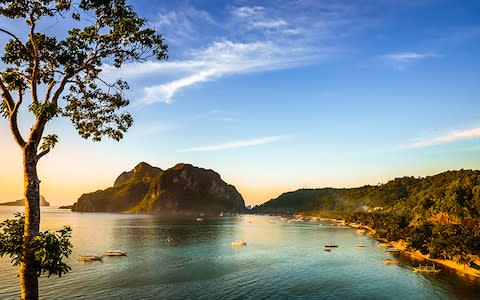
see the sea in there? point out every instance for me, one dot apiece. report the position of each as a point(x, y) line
point(195, 259)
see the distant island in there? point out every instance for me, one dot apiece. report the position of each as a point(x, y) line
point(181, 190)
point(435, 217)
point(21, 202)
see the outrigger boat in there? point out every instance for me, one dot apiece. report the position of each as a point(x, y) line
point(90, 257)
point(114, 253)
point(426, 269)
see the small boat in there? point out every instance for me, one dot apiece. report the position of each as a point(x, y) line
point(393, 250)
point(390, 262)
point(271, 221)
point(361, 231)
point(239, 243)
point(199, 219)
point(327, 249)
point(359, 246)
point(331, 246)
point(426, 269)
point(114, 253)
point(90, 257)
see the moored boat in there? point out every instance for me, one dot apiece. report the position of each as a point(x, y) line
point(331, 246)
point(426, 269)
point(90, 257)
point(239, 243)
point(393, 250)
point(390, 262)
point(114, 253)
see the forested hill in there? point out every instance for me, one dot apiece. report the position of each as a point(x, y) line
point(454, 192)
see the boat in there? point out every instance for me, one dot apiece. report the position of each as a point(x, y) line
point(393, 250)
point(114, 253)
point(390, 262)
point(361, 231)
point(426, 269)
point(239, 243)
point(330, 245)
point(199, 219)
point(90, 257)
point(359, 245)
point(271, 221)
point(327, 249)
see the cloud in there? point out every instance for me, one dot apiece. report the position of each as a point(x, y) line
point(165, 92)
point(206, 47)
point(401, 60)
point(236, 144)
point(218, 60)
point(449, 138)
point(248, 11)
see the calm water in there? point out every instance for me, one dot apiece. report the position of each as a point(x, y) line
point(281, 261)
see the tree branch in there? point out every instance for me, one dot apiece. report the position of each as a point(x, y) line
point(13, 120)
point(59, 90)
point(49, 89)
point(7, 97)
point(11, 34)
point(35, 59)
point(43, 153)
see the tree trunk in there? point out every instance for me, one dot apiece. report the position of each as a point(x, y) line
point(27, 269)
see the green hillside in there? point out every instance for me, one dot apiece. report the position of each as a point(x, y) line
point(437, 215)
point(454, 192)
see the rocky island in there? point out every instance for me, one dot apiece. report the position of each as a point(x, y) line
point(21, 202)
point(181, 190)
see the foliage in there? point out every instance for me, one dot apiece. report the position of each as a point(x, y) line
point(437, 215)
point(70, 68)
point(48, 248)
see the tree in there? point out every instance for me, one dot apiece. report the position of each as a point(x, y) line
point(62, 77)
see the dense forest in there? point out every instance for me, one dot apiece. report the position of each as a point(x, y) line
point(437, 215)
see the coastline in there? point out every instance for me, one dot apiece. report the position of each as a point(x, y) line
point(402, 246)
point(461, 268)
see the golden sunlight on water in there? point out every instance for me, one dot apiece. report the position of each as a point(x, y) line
point(179, 259)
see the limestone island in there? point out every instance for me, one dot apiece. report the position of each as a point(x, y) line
point(181, 190)
point(21, 202)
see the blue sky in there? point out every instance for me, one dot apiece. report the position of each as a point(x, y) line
point(281, 95)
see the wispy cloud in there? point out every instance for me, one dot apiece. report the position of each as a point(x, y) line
point(207, 47)
point(448, 138)
point(401, 60)
point(219, 59)
point(236, 144)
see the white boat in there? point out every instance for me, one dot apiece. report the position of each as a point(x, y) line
point(239, 243)
point(114, 253)
point(90, 257)
point(199, 219)
point(393, 250)
point(426, 269)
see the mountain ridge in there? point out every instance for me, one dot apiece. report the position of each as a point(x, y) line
point(182, 189)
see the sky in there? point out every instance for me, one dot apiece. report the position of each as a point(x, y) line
point(281, 95)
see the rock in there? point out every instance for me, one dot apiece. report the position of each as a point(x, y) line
point(21, 202)
point(181, 190)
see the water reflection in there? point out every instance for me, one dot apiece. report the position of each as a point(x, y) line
point(281, 260)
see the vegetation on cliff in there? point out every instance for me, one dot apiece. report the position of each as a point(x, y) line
point(437, 215)
point(182, 189)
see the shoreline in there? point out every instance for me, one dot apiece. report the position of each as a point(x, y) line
point(460, 268)
point(402, 245)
